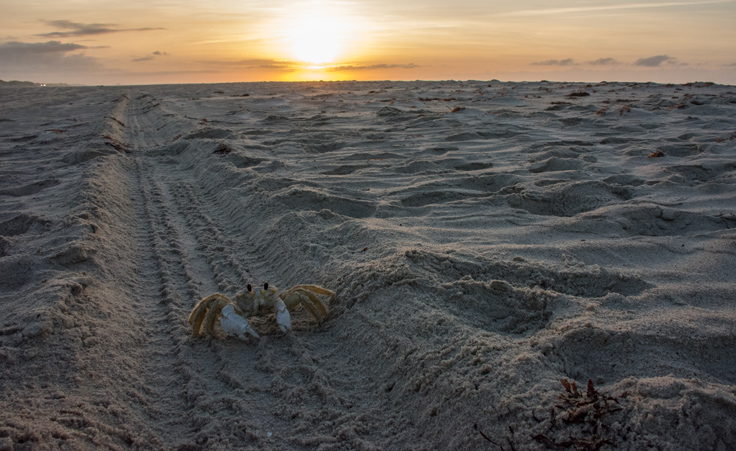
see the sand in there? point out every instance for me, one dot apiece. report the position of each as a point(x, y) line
point(486, 241)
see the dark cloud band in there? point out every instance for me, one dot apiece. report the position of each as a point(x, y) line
point(13, 48)
point(86, 29)
point(654, 61)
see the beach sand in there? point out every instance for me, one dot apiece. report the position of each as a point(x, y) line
point(490, 244)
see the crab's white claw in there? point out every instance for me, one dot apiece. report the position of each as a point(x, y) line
point(283, 318)
point(235, 325)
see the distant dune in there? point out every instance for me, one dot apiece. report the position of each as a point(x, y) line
point(15, 83)
point(517, 265)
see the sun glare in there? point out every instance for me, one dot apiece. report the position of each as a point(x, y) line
point(316, 40)
point(319, 33)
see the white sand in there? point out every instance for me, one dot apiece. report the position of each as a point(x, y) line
point(486, 240)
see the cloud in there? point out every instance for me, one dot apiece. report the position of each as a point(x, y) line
point(603, 62)
point(169, 72)
point(85, 29)
point(652, 61)
point(149, 57)
point(655, 61)
point(290, 66)
point(15, 49)
point(279, 65)
point(44, 61)
point(257, 63)
point(583, 9)
point(564, 62)
point(350, 67)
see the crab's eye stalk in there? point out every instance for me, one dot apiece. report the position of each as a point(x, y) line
point(250, 288)
point(265, 286)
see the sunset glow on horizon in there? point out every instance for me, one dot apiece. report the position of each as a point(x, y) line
point(106, 42)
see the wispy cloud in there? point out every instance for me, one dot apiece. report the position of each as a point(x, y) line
point(563, 62)
point(278, 65)
point(150, 56)
point(603, 62)
point(651, 61)
point(655, 61)
point(85, 29)
point(582, 9)
point(15, 48)
point(256, 63)
point(228, 41)
point(171, 72)
point(291, 66)
point(351, 67)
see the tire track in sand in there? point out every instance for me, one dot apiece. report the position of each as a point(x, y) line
point(288, 376)
point(163, 280)
point(157, 306)
point(229, 273)
point(283, 392)
point(180, 377)
point(204, 393)
point(284, 373)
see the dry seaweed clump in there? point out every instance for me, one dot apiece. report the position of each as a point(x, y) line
point(577, 421)
point(579, 418)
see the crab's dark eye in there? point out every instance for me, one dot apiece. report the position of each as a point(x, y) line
point(265, 286)
point(250, 288)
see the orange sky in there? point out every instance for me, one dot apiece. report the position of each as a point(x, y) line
point(165, 41)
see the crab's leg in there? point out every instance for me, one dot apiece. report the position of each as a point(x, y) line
point(213, 313)
point(198, 307)
point(200, 311)
point(314, 304)
point(294, 298)
point(197, 316)
point(317, 289)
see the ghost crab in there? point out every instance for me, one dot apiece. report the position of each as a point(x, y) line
point(233, 313)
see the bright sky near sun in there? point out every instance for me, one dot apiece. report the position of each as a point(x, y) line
point(177, 41)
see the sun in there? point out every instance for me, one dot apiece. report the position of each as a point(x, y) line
point(316, 39)
point(313, 37)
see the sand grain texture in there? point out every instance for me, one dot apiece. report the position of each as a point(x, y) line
point(486, 241)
